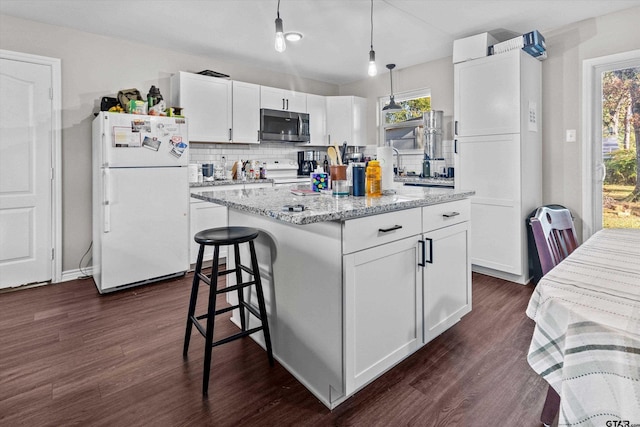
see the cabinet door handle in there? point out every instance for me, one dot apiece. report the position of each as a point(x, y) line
point(287, 104)
point(386, 230)
point(424, 253)
point(455, 128)
point(258, 139)
point(230, 134)
point(430, 260)
point(455, 146)
point(450, 214)
point(283, 104)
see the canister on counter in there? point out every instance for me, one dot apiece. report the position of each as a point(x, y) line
point(358, 179)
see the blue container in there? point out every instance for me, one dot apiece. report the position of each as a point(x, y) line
point(207, 170)
point(358, 174)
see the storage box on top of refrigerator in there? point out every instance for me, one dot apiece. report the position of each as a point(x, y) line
point(140, 199)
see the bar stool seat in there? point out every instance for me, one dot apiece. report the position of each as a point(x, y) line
point(216, 237)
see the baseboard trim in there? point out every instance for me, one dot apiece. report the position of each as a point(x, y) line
point(521, 280)
point(69, 275)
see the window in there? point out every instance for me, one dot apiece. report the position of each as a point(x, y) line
point(413, 103)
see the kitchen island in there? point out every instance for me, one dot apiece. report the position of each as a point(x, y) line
point(354, 285)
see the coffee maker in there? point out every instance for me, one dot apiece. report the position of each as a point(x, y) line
point(306, 162)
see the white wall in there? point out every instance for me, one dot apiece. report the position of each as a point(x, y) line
point(562, 98)
point(436, 75)
point(94, 66)
point(561, 93)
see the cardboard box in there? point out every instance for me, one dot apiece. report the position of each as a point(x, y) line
point(472, 47)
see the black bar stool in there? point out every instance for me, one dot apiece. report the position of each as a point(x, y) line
point(226, 236)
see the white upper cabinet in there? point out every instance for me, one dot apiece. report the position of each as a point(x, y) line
point(346, 120)
point(487, 95)
point(246, 113)
point(282, 99)
point(498, 153)
point(222, 111)
point(317, 109)
point(206, 102)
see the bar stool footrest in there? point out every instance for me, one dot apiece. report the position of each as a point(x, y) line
point(236, 336)
point(235, 287)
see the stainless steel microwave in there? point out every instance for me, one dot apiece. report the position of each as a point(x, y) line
point(283, 126)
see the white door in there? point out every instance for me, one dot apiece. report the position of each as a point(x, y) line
point(382, 309)
point(26, 132)
point(487, 95)
point(145, 228)
point(447, 279)
point(272, 98)
point(207, 103)
point(339, 114)
point(491, 166)
point(317, 108)
point(246, 113)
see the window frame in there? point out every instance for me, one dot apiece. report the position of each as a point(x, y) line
point(399, 97)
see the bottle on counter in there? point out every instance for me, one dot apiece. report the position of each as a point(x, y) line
point(263, 170)
point(426, 167)
point(200, 174)
point(373, 179)
point(326, 165)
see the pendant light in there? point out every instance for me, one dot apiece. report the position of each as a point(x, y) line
point(372, 54)
point(280, 44)
point(392, 107)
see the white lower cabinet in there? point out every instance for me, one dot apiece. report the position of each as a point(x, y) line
point(400, 294)
point(204, 215)
point(349, 300)
point(446, 266)
point(382, 309)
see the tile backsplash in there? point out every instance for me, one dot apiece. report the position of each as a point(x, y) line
point(213, 153)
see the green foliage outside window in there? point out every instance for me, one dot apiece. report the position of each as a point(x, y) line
point(621, 168)
point(411, 109)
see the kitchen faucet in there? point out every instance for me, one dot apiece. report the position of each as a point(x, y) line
point(397, 153)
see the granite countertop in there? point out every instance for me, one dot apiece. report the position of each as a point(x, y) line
point(445, 182)
point(219, 182)
point(324, 207)
point(415, 179)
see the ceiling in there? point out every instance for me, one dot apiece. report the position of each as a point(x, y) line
point(336, 33)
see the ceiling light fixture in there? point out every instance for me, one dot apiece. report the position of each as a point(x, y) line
point(280, 45)
point(293, 36)
point(392, 107)
point(372, 54)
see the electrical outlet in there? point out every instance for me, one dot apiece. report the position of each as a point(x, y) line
point(571, 135)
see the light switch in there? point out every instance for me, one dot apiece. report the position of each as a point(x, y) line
point(571, 135)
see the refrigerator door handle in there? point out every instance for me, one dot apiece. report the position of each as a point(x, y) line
point(103, 144)
point(106, 207)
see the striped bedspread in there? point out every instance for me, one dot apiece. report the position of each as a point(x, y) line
point(586, 342)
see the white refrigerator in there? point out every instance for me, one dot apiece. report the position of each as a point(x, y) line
point(140, 199)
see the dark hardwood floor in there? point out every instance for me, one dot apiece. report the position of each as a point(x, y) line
point(69, 356)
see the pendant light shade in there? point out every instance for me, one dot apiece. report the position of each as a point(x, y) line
point(280, 44)
point(373, 70)
point(392, 107)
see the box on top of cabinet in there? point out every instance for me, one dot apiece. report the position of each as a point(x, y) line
point(472, 47)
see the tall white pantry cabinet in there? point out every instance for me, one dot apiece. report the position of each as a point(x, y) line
point(498, 153)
